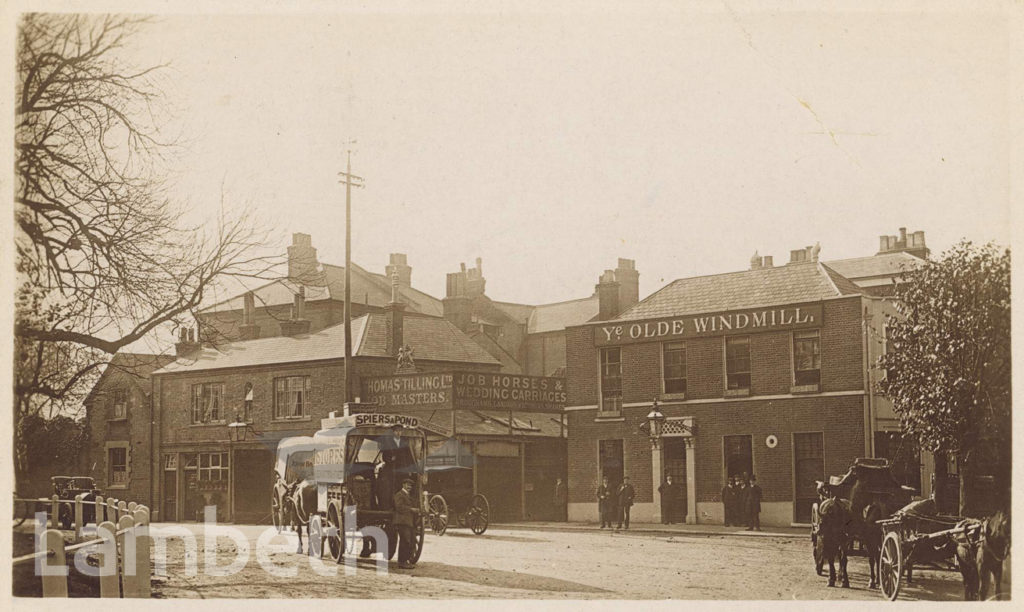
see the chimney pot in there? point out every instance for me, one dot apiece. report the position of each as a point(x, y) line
point(903, 235)
point(755, 261)
point(767, 261)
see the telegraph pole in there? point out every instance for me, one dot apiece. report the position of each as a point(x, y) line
point(350, 180)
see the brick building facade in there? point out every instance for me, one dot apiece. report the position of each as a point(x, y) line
point(763, 371)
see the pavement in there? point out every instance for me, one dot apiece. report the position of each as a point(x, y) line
point(662, 529)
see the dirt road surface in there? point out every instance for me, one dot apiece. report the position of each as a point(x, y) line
point(520, 563)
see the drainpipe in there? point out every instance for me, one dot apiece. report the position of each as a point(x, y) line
point(869, 413)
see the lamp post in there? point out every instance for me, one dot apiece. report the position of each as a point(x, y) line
point(656, 421)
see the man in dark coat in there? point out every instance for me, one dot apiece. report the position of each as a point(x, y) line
point(605, 502)
point(626, 493)
point(742, 497)
point(669, 493)
point(404, 515)
point(729, 495)
point(561, 499)
point(754, 505)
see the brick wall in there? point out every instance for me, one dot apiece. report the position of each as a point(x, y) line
point(580, 366)
point(842, 346)
point(103, 428)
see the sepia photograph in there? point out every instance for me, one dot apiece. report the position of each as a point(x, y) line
point(530, 302)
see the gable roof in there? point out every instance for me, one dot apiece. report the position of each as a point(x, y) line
point(884, 264)
point(136, 366)
point(367, 288)
point(554, 317)
point(788, 284)
point(431, 338)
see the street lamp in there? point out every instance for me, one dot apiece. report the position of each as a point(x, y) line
point(656, 421)
point(238, 430)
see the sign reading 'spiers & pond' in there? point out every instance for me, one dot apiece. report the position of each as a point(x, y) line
point(691, 326)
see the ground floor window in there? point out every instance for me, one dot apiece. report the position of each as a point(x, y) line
point(809, 467)
point(610, 461)
point(739, 458)
point(117, 462)
point(213, 466)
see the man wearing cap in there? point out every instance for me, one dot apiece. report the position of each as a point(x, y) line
point(404, 515)
point(626, 493)
point(753, 505)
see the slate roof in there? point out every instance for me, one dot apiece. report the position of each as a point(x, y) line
point(555, 317)
point(789, 284)
point(367, 288)
point(885, 264)
point(431, 339)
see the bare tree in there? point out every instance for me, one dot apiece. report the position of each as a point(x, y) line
point(104, 257)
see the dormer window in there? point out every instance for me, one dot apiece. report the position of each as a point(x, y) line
point(119, 404)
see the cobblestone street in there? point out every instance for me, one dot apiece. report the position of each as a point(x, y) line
point(540, 563)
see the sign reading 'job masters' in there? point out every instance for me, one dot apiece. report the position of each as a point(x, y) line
point(737, 322)
point(466, 391)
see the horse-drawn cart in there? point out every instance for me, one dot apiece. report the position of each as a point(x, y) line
point(451, 495)
point(918, 533)
point(358, 463)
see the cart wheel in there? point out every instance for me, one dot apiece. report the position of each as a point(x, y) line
point(336, 523)
point(275, 510)
point(438, 509)
point(478, 513)
point(417, 543)
point(890, 566)
point(316, 536)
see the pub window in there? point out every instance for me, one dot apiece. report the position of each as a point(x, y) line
point(674, 367)
point(208, 403)
point(611, 379)
point(213, 466)
point(737, 362)
point(807, 357)
point(119, 403)
point(291, 397)
point(117, 462)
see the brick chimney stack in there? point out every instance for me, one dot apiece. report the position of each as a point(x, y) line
point(607, 296)
point(302, 262)
point(298, 324)
point(475, 281)
point(397, 262)
point(458, 307)
point(394, 314)
point(755, 261)
point(248, 330)
point(187, 346)
point(629, 283)
point(912, 243)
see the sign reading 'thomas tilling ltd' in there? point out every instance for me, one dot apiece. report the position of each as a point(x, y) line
point(466, 391)
point(737, 322)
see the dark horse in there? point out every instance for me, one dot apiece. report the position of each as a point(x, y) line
point(834, 537)
point(298, 507)
point(981, 553)
point(874, 495)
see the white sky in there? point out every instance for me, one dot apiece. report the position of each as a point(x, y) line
point(550, 143)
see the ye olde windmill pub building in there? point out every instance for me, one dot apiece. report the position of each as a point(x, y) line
point(765, 371)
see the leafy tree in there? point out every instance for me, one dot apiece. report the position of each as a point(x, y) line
point(104, 257)
point(948, 360)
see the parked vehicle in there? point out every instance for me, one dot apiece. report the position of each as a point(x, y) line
point(66, 488)
point(450, 495)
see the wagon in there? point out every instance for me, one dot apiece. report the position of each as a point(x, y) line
point(355, 464)
point(66, 488)
point(918, 533)
point(451, 495)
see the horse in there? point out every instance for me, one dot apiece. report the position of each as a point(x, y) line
point(834, 535)
point(299, 505)
point(870, 534)
point(980, 555)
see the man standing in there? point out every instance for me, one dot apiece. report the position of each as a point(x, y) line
point(626, 494)
point(404, 509)
point(729, 501)
point(754, 505)
point(668, 500)
point(561, 500)
point(604, 502)
point(742, 499)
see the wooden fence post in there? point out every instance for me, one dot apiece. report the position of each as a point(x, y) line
point(54, 572)
point(125, 540)
point(122, 509)
point(112, 510)
point(132, 506)
point(141, 516)
point(79, 523)
point(109, 581)
point(137, 568)
point(98, 514)
point(54, 511)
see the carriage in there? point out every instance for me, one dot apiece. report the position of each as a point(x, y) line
point(451, 495)
point(917, 532)
point(874, 483)
point(354, 463)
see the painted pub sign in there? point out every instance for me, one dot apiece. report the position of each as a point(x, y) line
point(466, 391)
point(713, 324)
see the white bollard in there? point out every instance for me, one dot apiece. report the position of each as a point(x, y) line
point(55, 574)
point(79, 523)
point(132, 506)
point(112, 510)
point(109, 580)
point(54, 510)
